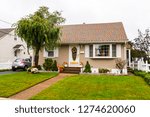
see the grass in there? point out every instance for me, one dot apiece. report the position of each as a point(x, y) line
point(96, 87)
point(13, 83)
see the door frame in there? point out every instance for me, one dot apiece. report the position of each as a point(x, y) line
point(73, 63)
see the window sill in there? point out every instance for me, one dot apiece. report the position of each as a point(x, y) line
point(50, 57)
point(103, 57)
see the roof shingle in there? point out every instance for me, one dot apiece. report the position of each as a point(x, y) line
point(93, 33)
point(6, 31)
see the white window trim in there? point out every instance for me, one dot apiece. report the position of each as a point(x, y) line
point(110, 56)
point(87, 49)
point(55, 53)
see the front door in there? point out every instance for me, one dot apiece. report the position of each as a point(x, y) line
point(74, 55)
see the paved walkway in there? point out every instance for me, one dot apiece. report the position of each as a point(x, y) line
point(28, 93)
point(1, 98)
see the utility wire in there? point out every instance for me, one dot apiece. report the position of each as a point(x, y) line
point(5, 22)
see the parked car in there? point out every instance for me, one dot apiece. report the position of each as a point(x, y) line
point(21, 64)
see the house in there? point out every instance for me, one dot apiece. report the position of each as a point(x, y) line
point(11, 47)
point(100, 44)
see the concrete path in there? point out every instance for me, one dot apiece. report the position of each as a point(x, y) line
point(1, 98)
point(28, 93)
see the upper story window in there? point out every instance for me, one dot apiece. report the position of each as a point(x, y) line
point(102, 50)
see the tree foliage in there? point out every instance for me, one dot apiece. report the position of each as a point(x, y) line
point(138, 54)
point(40, 29)
point(142, 43)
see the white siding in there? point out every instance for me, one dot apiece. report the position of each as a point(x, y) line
point(6, 48)
point(86, 51)
point(118, 50)
point(45, 53)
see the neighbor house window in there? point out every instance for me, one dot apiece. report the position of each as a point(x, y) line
point(102, 50)
point(91, 50)
point(113, 50)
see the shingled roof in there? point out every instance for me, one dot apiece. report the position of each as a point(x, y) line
point(6, 31)
point(93, 33)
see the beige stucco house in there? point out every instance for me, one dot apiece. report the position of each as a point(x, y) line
point(100, 44)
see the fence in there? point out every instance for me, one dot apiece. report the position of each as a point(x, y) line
point(140, 65)
point(6, 65)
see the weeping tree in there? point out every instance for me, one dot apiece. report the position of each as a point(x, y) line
point(40, 29)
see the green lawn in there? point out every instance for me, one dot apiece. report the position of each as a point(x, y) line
point(12, 83)
point(96, 87)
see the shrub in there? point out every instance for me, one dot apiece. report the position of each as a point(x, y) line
point(140, 73)
point(39, 67)
point(102, 70)
point(147, 78)
point(120, 64)
point(48, 64)
point(54, 66)
point(144, 75)
point(87, 68)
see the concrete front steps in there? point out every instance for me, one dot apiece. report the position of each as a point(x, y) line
point(73, 70)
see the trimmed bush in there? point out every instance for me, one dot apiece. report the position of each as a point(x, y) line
point(144, 75)
point(54, 66)
point(147, 78)
point(140, 73)
point(87, 68)
point(39, 67)
point(103, 70)
point(48, 64)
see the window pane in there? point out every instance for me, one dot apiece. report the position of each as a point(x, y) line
point(102, 50)
point(50, 53)
point(91, 51)
point(113, 50)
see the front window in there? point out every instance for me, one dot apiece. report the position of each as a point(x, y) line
point(102, 50)
point(50, 53)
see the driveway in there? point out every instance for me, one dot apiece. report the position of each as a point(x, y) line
point(7, 72)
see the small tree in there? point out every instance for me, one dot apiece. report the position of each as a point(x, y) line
point(48, 64)
point(40, 29)
point(87, 68)
point(120, 64)
point(54, 66)
point(142, 43)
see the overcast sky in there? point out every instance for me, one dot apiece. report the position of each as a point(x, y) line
point(135, 14)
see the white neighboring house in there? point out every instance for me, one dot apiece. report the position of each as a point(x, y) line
point(11, 47)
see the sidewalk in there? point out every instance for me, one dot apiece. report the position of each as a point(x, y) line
point(28, 93)
point(1, 98)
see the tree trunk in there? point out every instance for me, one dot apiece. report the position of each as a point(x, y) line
point(36, 58)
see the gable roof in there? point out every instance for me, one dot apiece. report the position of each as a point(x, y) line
point(93, 33)
point(6, 31)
